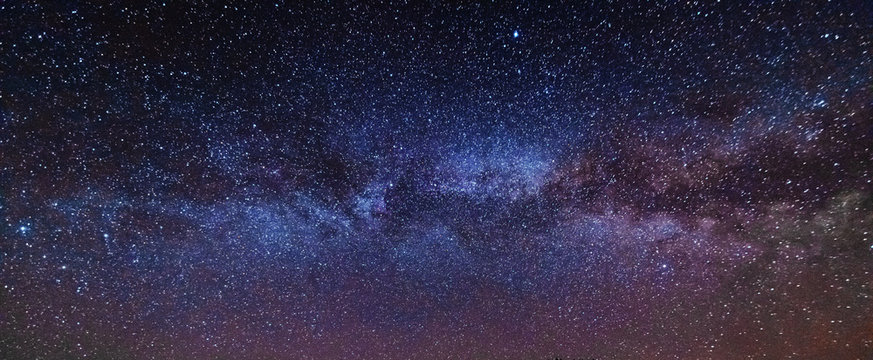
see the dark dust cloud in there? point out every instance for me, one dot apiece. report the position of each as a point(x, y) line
point(507, 180)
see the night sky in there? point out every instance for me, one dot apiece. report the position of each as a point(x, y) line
point(679, 180)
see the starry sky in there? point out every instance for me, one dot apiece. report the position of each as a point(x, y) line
point(458, 180)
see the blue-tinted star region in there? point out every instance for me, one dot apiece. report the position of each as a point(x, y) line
point(511, 180)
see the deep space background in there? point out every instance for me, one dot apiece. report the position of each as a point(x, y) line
point(465, 180)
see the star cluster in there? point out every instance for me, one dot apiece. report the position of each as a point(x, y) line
point(421, 180)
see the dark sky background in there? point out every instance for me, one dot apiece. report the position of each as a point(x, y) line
point(509, 180)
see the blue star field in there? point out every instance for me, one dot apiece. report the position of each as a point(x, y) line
point(473, 180)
